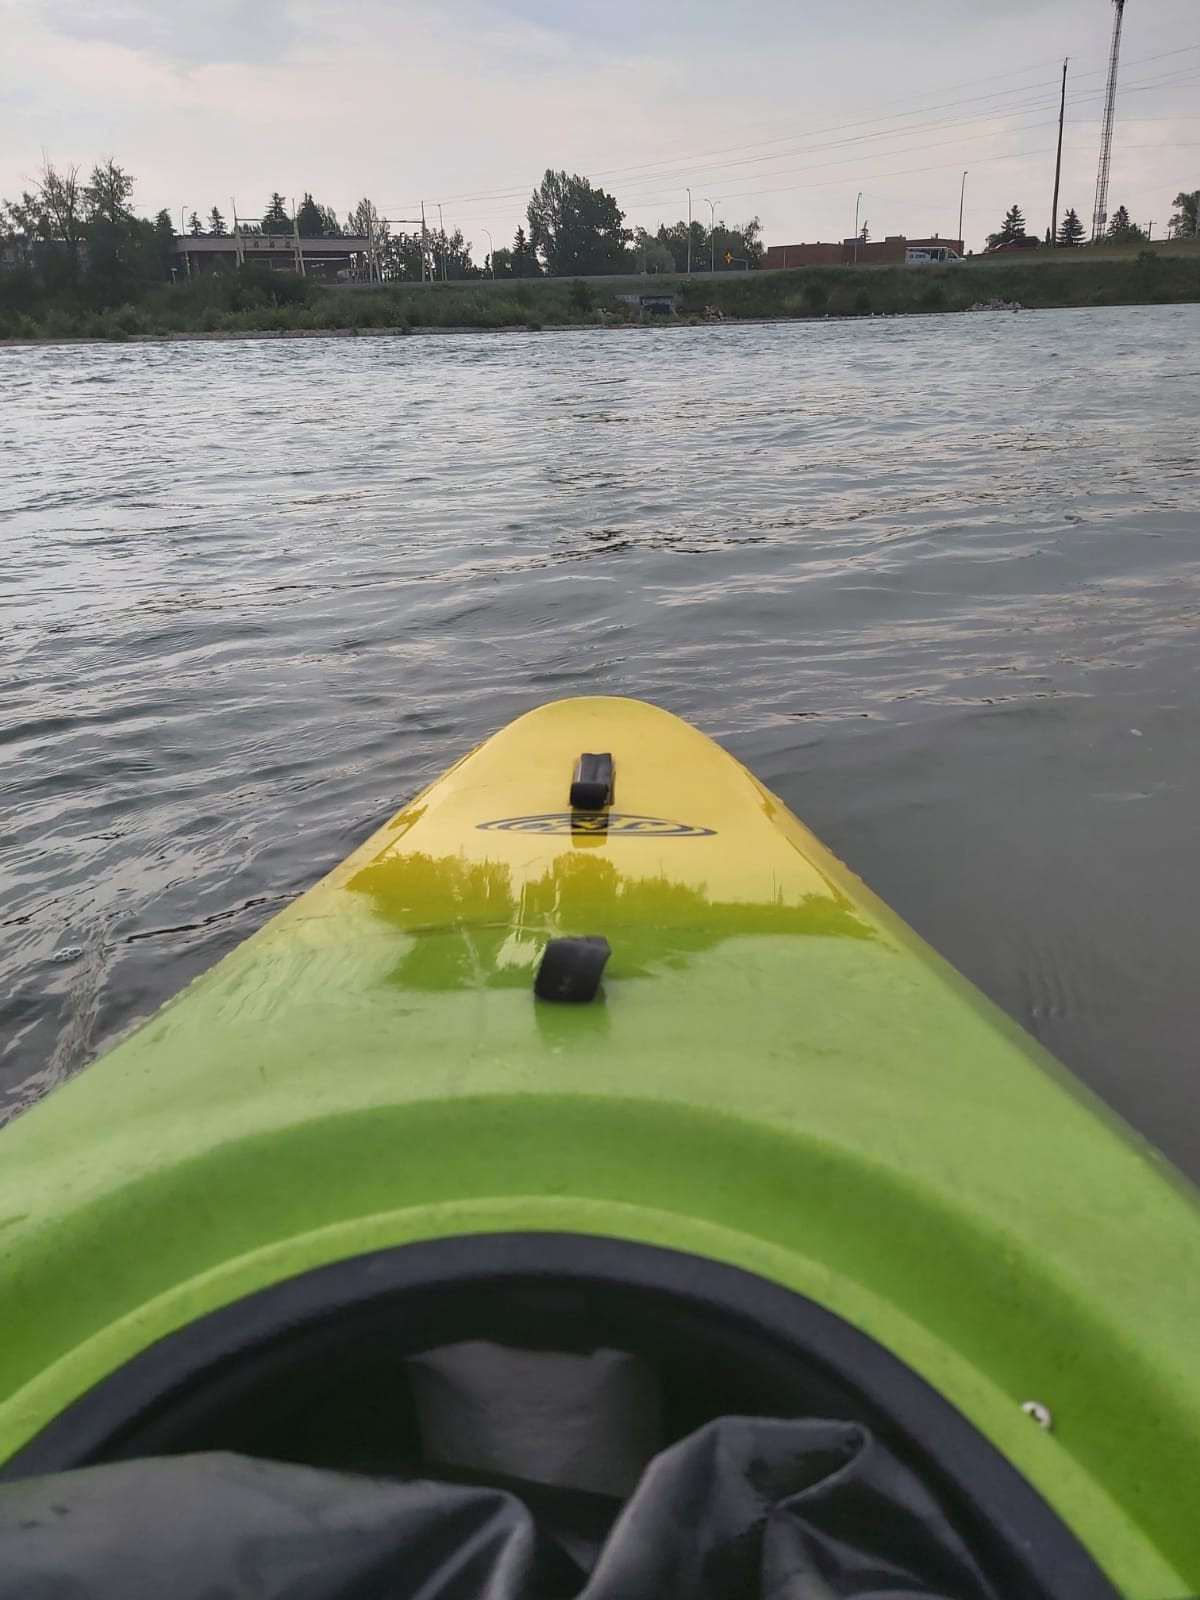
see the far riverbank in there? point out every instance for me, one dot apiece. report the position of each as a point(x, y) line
point(256, 302)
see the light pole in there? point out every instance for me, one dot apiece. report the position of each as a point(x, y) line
point(961, 193)
point(857, 203)
point(491, 252)
point(182, 229)
point(442, 231)
point(712, 234)
point(689, 252)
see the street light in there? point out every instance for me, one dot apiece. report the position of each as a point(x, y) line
point(857, 203)
point(712, 233)
point(689, 252)
point(962, 191)
point(491, 252)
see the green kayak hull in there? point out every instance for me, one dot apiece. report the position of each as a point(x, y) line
point(777, 1075)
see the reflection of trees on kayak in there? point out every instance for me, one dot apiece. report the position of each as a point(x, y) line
point(472, 928)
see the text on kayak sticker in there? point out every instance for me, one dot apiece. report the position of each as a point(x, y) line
point(623, 822)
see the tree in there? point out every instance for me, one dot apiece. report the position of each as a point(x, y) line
point(216, 224)
point(106, 194)
point(501, 263)
point(309, 220)
point(400, 257)
point(651, 253)
point(117, 245)
point(1121, 230)
point(195, 226)
point(525, 263)
point(1071, 231)
point(364, 222)
point(164, 243)
point(1013, 227)
point(576, 228)
point(673, 238)
point(450, 254)
point(742, 240)
point(1185, 223)
point(52, 215)
point(275, 217)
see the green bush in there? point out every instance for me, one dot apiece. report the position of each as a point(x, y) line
point(816, 296)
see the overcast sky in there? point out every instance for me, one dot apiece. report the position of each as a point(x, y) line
point(784, 108)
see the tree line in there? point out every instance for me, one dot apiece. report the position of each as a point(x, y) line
point(83, 240)
point(82, 235)
point(1183, 224)
point(571, 229)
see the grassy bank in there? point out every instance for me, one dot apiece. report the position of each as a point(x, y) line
point(257, 301)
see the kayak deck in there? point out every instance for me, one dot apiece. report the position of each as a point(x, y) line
point(777, 1075)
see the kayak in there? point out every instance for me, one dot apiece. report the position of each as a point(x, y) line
point(595, 1035)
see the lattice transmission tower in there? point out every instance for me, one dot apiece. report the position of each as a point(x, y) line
point(1100, 209)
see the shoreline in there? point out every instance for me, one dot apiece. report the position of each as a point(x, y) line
point(236, 335)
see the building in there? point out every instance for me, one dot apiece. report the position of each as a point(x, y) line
point(328, 260)
point(892, 251)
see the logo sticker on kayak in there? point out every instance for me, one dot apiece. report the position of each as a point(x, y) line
point(623, 822)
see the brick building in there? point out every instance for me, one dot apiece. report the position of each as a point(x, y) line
point(892, 251)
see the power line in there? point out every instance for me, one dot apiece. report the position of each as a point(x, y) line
point(1177, 78)
point(647, 202)
point(682, 164)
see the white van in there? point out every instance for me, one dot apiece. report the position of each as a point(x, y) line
point(930, 252)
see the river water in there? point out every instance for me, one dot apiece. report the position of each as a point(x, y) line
point(934, 579)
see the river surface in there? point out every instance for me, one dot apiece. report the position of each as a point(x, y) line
point(934, 579)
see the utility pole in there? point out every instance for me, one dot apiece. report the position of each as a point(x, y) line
point(424, 246)
point(857, 203)
point(1062, 113)
point(689, 252)
point(296, 240)
point(962, 193)
point(1100, 209)
point(712, 234)
point(442, 231)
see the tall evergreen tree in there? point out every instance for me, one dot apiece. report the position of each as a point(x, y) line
point(275, 217)
point(1013, 227)
point(195, 226)
point(216, 224)
point(310, 221)
point(1121, 230)
point(524, 263)
point(1071, 231)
